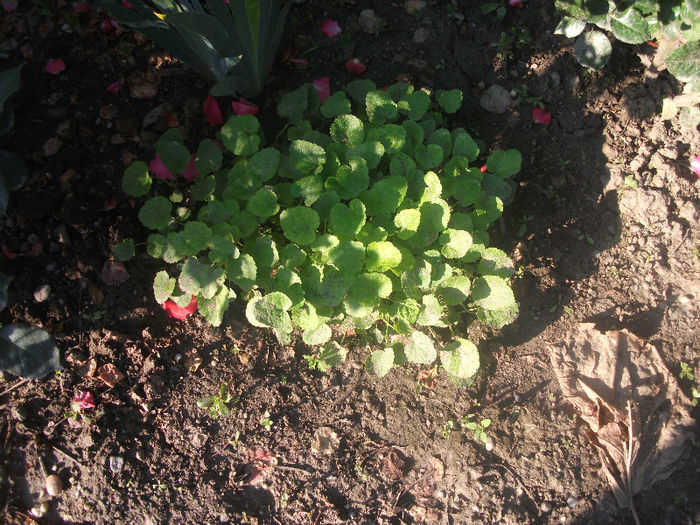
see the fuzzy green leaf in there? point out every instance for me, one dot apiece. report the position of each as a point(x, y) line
point(335, 105)
point(242, 271)
point(213, 309)
point(348, 257)
point(203, 188)
point(348, 129)
point(163, 286)
point(350, 179)
point(208, 158)
point(155, 213)
point(270, 311)
point(380, 362)
point(197, 236)
point(305, 317)
point(241, 135)
point(317, 336)
point(385, 195)
point(125, 250)
point(174, 155)
point(460, 359)
point(368, 288)
point(310, 188)
point(430, 312)
point(495, 262)
point(264, 163)
point(415, 104)
point(306, 158)
point(346, 221)
point(504, 163)
point(407, 222)
point(463, 145)
point(28, 351)
point(137, 181)
point(630, 26)
point(455, 290)
point(332, 354)
point(450, 100)
point(263, 203)
point(492, 293)
point(593, 49)
point(200, 279)
point(380, 107)
point(401, 165)
point(299, 224)
point(684, 62)
point(420, 349)
point(429, 156)
point(381, 256)
point(358, 89)
point(455, 243)
point(497, 319)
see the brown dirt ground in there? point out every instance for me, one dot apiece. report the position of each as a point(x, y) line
point(587, 245)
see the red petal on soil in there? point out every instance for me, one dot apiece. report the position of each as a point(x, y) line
point(355, 67)
point(190, 171)
point(330, 28)
point(106, 25)
point(84, 400)
point(243, 107)
point(212, 111)
point(110, 375)
point(51, 147)
point(541, 116)
point(323, 87)
point(483, 168)
point(81, 7)
point(695, 165)
point(127, 4)
point(9, 5)
point(114, 87)
point(177, 311)
point(55, 66)
point(516, 3)
point(114, 273)
point(159, 170)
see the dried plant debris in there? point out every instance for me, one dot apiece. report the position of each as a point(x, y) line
point(639, 418)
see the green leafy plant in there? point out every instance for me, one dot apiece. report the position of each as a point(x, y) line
point(231, 42)
point(686, 372)
point(13, 171)
point(674, 24)
point(372, 216)
point(265, 421)
point(217, 404)
point(479, 427)
point(447, 428)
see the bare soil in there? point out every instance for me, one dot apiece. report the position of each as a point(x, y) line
point(603, 229)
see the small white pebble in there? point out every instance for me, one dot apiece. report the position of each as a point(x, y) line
point(572, 502)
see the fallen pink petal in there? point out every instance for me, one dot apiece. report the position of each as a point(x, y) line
point(81, 7)
point(51, 147)
point(127, 4)
point(190, 171)
point(243, 107)
point(114, 87)
point(179, 312)
point(323, 87)
point(9, 5)
point(106, 25)
point(212, 111)
point(55, 66)
point(84, 400)
point(695, 165)
point(330, 28)
point(355, 67)
point(158, 169)
point(541, 116)
point(516, 3)
point(483, 169)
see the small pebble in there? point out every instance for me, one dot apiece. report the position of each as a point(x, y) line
point(545, 506)
point(39, 510)
point(54, 485)
point(116, 464)
point(140, 455)
point(489, 444)
point(572, 502)
point(42, 293)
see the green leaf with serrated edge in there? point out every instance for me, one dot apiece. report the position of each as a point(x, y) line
point(504, 163)
point(264, 163)
point(197, 237)
point(392, 137)
point(372, 152)
point(368, 288)
point(420, 349)
point(263, 203)
point(335, 105)
point(430, 312)
point(163, 286)
point(428, 156)
point(460, 359)
point(332, 354)
point(317, 336)
point(478, 248)
point(461, 221)
point(213, 309)
point(593, 49)
point(350, 179)
point(270, 311)
point(414, 105)
point(174, 247)
point(495, 185)
point(416, 281)
point(208, 158)
point(442, 138)
point(241, 134)
point(684, 62)
point(310, 189)
point(223, 251)
point(380, 362)
point(305, 317)
point(292, 256)
point(630, 26)
point(495, 262)
point(346, 221)
point(246, 222)
point(380, 107)
point(174, 155)
point(200, 279)
point(401, 165)
point(299, 224)
point(464, 189)
point(203, 188)
point(348, 257)
point(292, 105)
point(450, 100)
point(385, 196)
point(497, 319)
point(242, 271)
point(182, 300)
point(399, 90)
point(371, 233)
point(381, 256)
point(288, 282)
point(358, 89)
point(492, 293)
point(324, 204)
point(264, 251)
point(306, 158)
point(407, 222)
point(125, 250)
point(455, 290)
point(455, 243)
point(334, 285)
point(155, 213)
point(137, 181)
point(570, 27)
point(457, 167)
point(348, 129)
point(323, 243)
point(463, 145)
point(414, 132)
point(28, 351)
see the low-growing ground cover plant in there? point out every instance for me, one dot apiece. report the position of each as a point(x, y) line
point(371, 216)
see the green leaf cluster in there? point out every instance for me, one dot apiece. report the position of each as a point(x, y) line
point(373, 215)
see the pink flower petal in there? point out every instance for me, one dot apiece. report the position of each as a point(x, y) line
point(115, 86)
point(243, 107)
point(178, 312)
point(55, 66)
point(81, 7)
point(323, 87)
point(158, 169)
point(541, 116)
point(516, 3)
point(51, 147)
point(212, 111)
point(330, 28)
point(695, 165)
point(126, 4)
point(106, 25)
point(9, 5)
point(190, 171)
point(355, 67)
point(84, 400)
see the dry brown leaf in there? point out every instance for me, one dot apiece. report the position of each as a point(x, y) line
point(87, 369)
point(110, 375)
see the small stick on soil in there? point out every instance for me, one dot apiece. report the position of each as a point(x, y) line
point(295, 469)
point(348, 391)
point(16, 385)
point(66, 455)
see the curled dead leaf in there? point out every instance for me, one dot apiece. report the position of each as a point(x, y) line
point(87, 369)
point(110, 375)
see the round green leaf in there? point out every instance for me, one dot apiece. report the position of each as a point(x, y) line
point(200, 279)
point(299, 224)
point(460, 359)
point(28, 351)
point(450, 100)
point(380, 362)
point(271, 311)
point(348, 257)
point(420, 349)
point(317, 336)
point(336, 104)
point(197, 236)
point(348, 129)
point(241, 134)
point(463, 145)
point(208, 158)
point(495, 262)
point(306, 158)
point(455, 290)
point(263, 203)
point(504, 163)
point(593, 49)
point(428, 156)
point(430, 312)
point(415, 104)
point(407, 222)
point(630, 26)
point(385, 195)
point(155, 213)
point(163, 286)
point(455, 243)
point(137, 181)
point(497, 319)
point(124, 250)
point(264, 163)
point(174, 155)
point(243, 271)
point(684, 62)
point(368, 288)
point(346, 221)
point(381, 256)
point(492, 293)
point(305, 317)
point(402, 165)
point(213, 309)
point(380, 107)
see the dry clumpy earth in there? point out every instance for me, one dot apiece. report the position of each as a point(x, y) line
point(603, 229)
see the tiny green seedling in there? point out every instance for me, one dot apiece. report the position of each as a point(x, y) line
point(218, 404)
point(447, 429)
point(686, 372)
point(265, 421)
point(478, 427)
point(696, 395)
